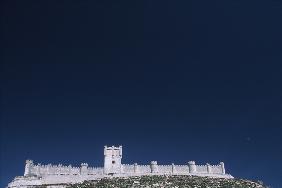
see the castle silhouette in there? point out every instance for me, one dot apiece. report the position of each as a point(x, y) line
point(37, 174)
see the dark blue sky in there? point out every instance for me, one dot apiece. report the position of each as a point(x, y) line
point(171, 81)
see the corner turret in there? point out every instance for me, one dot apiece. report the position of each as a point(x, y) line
point(28, 166)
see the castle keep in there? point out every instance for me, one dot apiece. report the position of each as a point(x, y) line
point(37, 174)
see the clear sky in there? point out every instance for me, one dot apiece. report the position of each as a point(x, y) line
point(171, 81)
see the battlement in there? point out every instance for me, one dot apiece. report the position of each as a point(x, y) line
point(50, 174)
point(113, 151)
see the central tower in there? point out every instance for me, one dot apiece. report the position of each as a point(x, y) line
point(112, 159)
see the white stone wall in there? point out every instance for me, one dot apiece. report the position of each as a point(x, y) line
point(127, 168)
point(59, 174)
point(144, 169)
point(201, 169)
point(47, 170)
point(165, 169)
point(42, 170)
point(95, 171)
point(217, 169)
point(181, 169)
point(56, 174)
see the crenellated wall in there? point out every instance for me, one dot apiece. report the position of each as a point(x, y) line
point(179, 169)
point(36, 174)
point(49, 169)
point(173, 169)
point(84, 169)
point(165, 169)
point(144, 169)
point(127, 168)
point(46, 170)
point(95, 171)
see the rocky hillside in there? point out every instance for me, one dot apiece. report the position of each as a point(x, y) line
point(168, 182)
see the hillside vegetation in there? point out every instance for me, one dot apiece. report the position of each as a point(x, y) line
point(168, 182)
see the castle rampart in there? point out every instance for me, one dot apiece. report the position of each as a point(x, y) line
point(55, 174)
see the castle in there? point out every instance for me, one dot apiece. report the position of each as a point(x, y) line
point(58, 175)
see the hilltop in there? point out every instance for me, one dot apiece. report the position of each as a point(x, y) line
point(168, 182)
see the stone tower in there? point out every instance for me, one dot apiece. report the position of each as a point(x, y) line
point(28, 166)
point(112, 159)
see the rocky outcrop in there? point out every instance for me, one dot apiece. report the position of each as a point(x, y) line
point(160, 182)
